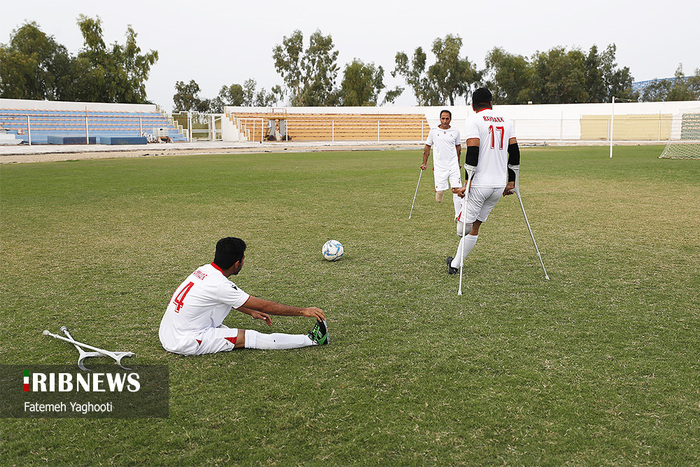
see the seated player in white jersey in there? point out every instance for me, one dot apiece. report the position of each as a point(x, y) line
point(447, 148)
point(492, 154)
point(193, 321)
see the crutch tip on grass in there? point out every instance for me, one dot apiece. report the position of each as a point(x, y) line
point(46, 332)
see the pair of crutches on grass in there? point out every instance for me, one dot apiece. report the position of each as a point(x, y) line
point(95, 351)
point(470, 174)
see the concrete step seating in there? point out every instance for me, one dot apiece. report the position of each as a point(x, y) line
point(338, 126)
point(69, 127)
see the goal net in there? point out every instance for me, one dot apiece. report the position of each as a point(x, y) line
point(684, 142)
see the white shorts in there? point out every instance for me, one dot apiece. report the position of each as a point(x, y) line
point(444, 179)
point(213, 340)
point(481, 202)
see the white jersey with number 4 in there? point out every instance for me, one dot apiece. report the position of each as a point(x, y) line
point(444, 144)
point(201, 302)
point(494, 131)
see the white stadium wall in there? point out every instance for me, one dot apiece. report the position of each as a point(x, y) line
point(633, 121)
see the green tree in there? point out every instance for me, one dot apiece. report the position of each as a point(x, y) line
point(559, 77)
point(33, 65)
point(509, 77)
point(110, 74)
point(244, 96)
point(361, 83)
point(684, 88)
point(308, 74)
point(608, 80)
point(656, 91)
point(414, 74)
point(392, 94)
point(187, 98)
point(450, 75)
point(228, 95)
point(694, 84)
point(442, 82)
point(261, 98)
point(593, 76)
point(681, 88)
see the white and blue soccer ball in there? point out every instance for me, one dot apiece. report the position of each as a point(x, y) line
point(332, 250)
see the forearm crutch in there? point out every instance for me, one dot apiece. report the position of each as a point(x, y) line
point(414, 196)
point(517, 193)
point(470, 175)
point(96, 351)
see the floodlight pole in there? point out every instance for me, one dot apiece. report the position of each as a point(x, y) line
point(612, 124)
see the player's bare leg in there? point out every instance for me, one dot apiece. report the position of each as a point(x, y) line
point(475, 228)
point(439, 195)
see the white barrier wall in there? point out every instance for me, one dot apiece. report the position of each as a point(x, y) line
point(538, 122)
point(543, 122)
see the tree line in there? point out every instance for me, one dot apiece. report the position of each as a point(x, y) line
point(34, 66)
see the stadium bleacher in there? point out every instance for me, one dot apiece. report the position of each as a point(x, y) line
point(87, 126)
point(333, 126)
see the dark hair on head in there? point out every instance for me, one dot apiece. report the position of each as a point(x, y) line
point(482, 98)
point(228, 251)
point(446, 111)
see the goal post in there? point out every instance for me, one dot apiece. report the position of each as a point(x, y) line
point(684, 140)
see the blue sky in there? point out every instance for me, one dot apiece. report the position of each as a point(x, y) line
point(224, 42)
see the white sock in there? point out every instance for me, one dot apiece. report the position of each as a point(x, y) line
point(467, 242)
point(275, 341)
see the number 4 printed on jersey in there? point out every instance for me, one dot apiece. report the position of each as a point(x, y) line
point(179, 296)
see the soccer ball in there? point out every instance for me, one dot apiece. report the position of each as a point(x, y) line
point(332, 250)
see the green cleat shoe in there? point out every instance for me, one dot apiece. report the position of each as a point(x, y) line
point(319, 334)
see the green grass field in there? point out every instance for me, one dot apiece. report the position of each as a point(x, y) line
point(598, 366)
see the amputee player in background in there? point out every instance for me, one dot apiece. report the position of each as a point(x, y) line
point(447, 149)
point(193, 321)
point(492, 151)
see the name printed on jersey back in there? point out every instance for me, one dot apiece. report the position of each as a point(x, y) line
point(199, 274)
point(488, 118)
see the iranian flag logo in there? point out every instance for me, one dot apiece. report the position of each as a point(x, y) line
point(26, 380)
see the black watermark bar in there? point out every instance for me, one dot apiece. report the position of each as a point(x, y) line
point(64, 391)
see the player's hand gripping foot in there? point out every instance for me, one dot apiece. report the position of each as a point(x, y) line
point(319, 334)
point(450, 269)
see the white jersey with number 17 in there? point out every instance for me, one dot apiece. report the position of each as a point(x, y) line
point(494, 131)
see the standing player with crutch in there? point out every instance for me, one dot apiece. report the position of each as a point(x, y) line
point(492, 157)
point(446, 144)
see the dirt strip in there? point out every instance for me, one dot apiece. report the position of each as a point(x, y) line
point(49, 153)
